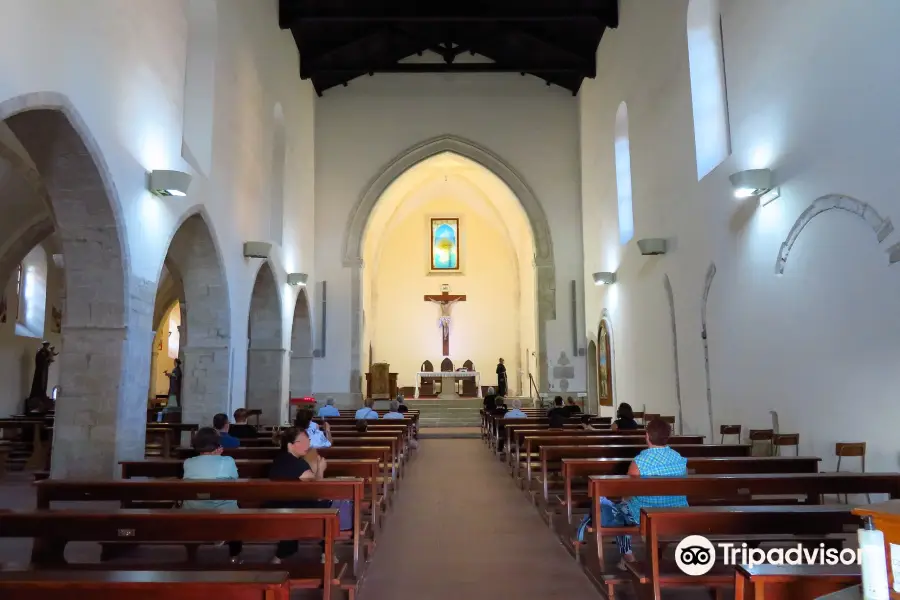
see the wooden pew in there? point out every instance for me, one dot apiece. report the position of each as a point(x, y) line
point(52, 530)
point(659, 526)
point(576, 468)
point(500, 424)
point(552, 456)
point(145, 585)
point(365, 469)
point(249, 494)
point(800, 582)
point(517, 436)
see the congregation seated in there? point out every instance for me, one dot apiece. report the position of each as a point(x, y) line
point(658, 460)
point(318, 438)
point(573, 408)
point(395, 410)
point(367, 412)
point(625, 418)
point(241, 429)
point(489, 400)
point(221, 424)
point(210, 464)
point(329, 410)
point(291, 464)
point(516, 412)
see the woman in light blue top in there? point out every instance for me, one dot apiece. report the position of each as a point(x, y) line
point(367, 412)
point(210, 464)
point(516, 412)
point(329, 410)
point(395, 410)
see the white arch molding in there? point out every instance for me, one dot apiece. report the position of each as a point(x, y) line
point(358, 219)
point(301, 364)
point(882, 227)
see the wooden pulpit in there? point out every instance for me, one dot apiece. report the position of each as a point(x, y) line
point(381, 384)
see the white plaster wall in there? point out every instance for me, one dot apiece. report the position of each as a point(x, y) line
point(360, 129)
point(817, 344)
point(122, 66)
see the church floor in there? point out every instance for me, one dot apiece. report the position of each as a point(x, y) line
point(460, 528)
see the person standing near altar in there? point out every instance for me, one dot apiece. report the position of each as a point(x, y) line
point(501, 379)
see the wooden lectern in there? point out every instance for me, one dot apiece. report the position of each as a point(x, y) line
point(381, 384)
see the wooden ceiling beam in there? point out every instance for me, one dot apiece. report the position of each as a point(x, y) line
point(442, 67)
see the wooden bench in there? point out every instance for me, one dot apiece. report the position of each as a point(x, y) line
point(145, 585)
point(519, 439)
point(786, 582)
point(365, 469)
point(662, 526)
point(52, 530)
point(576, 468)
point(552, 456)
point(499, 424)
point(248, 493)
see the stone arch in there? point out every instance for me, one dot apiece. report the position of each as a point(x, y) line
point(354, 234)
point(100, 420)
point(593, 403)
point(667, 285)
point(606, 321)
point(206, 318)
point(301, 378)
point(265, 351)
point(882, 227)
point(707, 284)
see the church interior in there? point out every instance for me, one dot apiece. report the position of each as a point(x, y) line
point(502, 299)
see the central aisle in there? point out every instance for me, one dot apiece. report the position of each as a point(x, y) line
point(460, 528)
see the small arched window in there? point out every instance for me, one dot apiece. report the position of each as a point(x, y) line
point(623, 176)
point(712, 137)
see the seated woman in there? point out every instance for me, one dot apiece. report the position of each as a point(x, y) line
point(317, 437)
point(658, 460)
point(291, 464)
point(395, 410)
point(489, 399)
point(516, 412)
point(367, 412)
point(625, 418)
point(210, 464)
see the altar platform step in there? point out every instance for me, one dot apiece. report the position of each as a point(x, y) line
point(463, 412)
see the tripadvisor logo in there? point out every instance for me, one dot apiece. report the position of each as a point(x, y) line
point(695, 555)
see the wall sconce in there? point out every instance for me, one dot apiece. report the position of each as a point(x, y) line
point(257, 249)
point(652, 246)
point(755, 182)
point(297, 279)
point(604, 278)
point(169, 183)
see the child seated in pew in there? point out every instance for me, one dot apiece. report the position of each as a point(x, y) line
point(210, 464)
point(292, 464)
point(317, 437)
point(658, 460)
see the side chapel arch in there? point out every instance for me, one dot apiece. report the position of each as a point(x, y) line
point(301, 366)
point(265, 352)
point(100, 420)
point(545, 269)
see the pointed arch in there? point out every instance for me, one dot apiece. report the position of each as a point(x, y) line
point(265, 352)
point(301, 378)
point(358, 219)
point(104, 306)
point(667, 285)
point(704, 333)
point(206, 318)
point(623, 176)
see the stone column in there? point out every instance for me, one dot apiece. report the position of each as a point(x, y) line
point(301, 375)
point(204, 387)
point(154, 357)
point(264, 383)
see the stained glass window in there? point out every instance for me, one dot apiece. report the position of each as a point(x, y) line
point(445, 244)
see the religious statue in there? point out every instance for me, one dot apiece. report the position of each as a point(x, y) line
point(444, 302)
point(174, 385)
point(501, 378)
point(42, 361)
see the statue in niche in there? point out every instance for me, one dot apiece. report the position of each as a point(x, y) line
point(38, 401)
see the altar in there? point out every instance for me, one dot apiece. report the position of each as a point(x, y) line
point(448, 382)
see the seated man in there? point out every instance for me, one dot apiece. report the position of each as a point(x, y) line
point(317, 437)
point(221, 424)
point(210, 464)
point(241, 429)
point(329, 410)
point(558, 408)
point(573, 408)
point(291, 465)
point(367, 412)
point(658, 460)
point(489, 399)
point(395, 410)
point(516, 412)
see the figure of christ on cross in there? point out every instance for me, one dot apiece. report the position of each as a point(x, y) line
point(445, 301)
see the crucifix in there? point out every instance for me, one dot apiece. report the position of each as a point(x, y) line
point(445, 301)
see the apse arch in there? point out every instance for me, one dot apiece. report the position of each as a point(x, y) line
point(881, 227)
point(206, 317)
point(100, 291)
point(301, 365)
point(360, 215)
point(265, 352)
